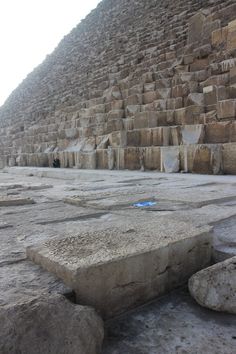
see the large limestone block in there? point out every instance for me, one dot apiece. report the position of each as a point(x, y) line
point(133, 137)
point(175, 135)
point(193, 134)
point(229, 158)
point(188, 115)
point(152, 158)
point(195, 99)
point(227, 64)
point(149, 87)
point(231, 41)
point(186, 157)
point(165, 118)
point(207, 159)
point(119, 158)
point(111, 158)
point(213, 94)
point(161, 136)
point(102, 159)
point(174, 103)
point(131, 110)
point(147, 77)
point(136, 90)
point(218, 132)
point(133, 100)
point(50, 324)
point(145, 120)
point(170, 159)
point(219, 37)
point(120, 268)
point(118, 139)
point(146, 137)
point(114, 124)
point(64, 159)
point(196, 24)
point(233, 75)
point(85, 160)
point(12, 161)
point(163, 93)
point(202, 51)
point(215, 287)
point(216, 80)
point(71, 133)
point(31, 160)
point(41, 160)
point(232, 137)
point(3, 163)
point(113, 106)
point(226, 109)
point(128, 123)
point(149, 97)
point(132, 158)
point(102, 142)
point(180, 90)
point(112, 93)
point(115, 114)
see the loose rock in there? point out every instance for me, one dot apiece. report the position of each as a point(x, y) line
point(215, 287)
point(50, 325)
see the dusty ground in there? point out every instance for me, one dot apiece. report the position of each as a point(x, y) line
point(99, 200)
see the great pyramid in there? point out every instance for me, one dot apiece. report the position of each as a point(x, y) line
point(136, 85)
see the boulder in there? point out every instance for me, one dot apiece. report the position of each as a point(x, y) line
point(215, 287)
point(50, 325)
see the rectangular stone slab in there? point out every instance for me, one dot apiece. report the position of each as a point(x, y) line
point(15, 201)
point(120, 268)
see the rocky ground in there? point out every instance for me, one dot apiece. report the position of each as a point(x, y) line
point(172, 324)
point(99, 200)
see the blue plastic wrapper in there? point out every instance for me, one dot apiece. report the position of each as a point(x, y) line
point(144, 204)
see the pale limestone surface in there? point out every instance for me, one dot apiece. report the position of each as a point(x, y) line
point(117, 269)
point(199, 200)
point(215, 286)
point(14, 201)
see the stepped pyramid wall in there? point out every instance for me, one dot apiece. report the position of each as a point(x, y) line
point(136, 85)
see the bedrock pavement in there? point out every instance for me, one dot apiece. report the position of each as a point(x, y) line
point(69, 203)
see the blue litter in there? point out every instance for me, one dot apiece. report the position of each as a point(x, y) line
point(144, 204)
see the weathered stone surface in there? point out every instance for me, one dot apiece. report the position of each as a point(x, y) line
point(170, 161)
point(11, 201)
point(192, 134)
point(116, 262)
point(231, 42)
point(172, 324)
point(215, 287)
point(226, 109)
point(196, 24)
point(50, 324)
point(103, 200)
point(207, 159)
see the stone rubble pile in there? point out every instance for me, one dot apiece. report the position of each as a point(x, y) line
point(137, 85)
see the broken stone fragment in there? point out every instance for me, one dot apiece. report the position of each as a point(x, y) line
point(50, 325)
point(15, 201)
point(215, 287)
